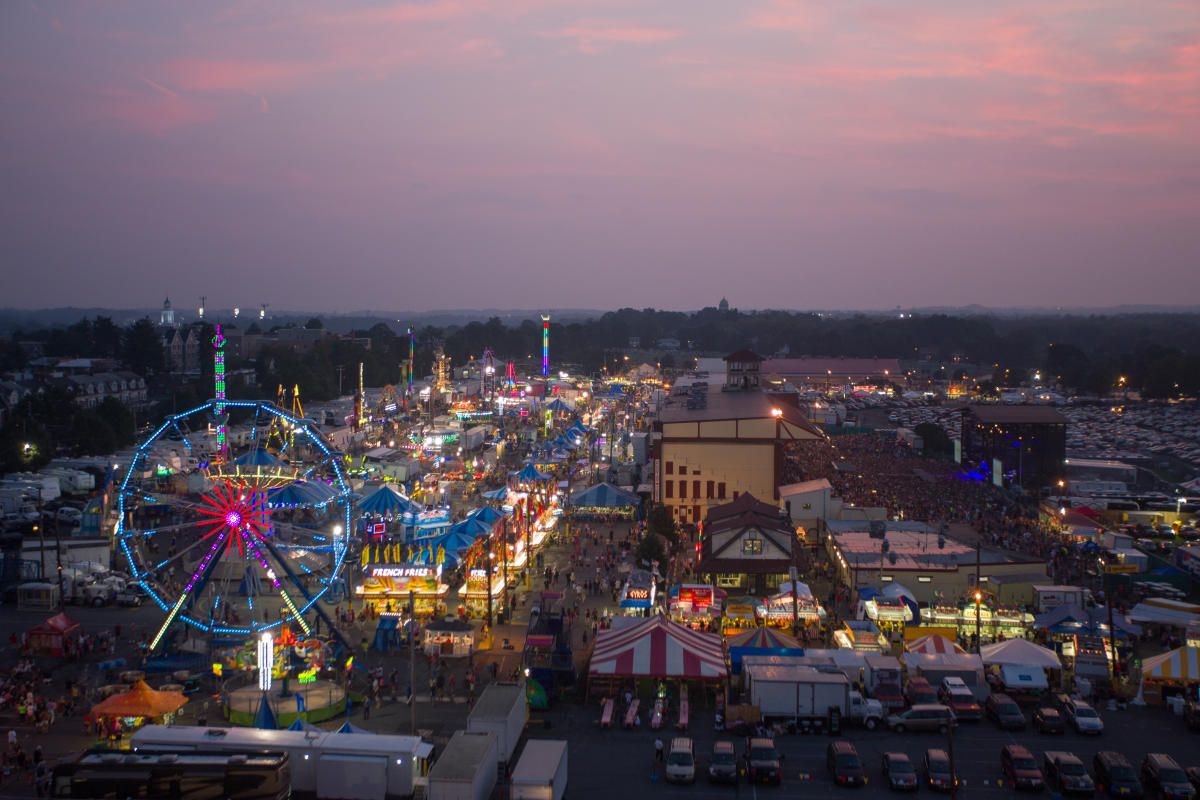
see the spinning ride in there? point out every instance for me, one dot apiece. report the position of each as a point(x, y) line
point(240, 538)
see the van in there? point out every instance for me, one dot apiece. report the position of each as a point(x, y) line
point(681, 761)
point(925, 717)
point(1116, 775)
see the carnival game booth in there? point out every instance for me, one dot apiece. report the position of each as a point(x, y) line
point(605, 501)
point(793, 604)
point(1019, 665)
point(55, 636)
point(760, 642)
point(697, 605)
point(1174, 674)
point(138, 706)
point(644, 657)
point(386, 587)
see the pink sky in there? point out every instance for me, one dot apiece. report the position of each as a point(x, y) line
point(529, 153)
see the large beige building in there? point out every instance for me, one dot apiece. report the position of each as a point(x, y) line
point(715, 443)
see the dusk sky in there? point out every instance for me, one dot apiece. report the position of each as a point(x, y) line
point(552, 153)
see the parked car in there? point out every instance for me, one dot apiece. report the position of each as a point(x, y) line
point(1049, 720)
point(1193, 774)
point(129, 599)
point(1165, 778)
point(1005, 712)
point(763, 762)
point(844, 765)
point(69, 515)
point(932, 717)
point(938, 774)
point(1116, 775)
point(919, 692)
point(899, 772)
point(1020, 768)
point(722, 764)
point(681, 761)
point(1065, 773)
point(1083, 717)
point(961, 700)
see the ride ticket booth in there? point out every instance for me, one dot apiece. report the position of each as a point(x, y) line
point(386, 587)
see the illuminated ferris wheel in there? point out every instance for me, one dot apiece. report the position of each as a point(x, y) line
point(229, 534)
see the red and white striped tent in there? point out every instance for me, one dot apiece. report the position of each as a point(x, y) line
point(933, 644)
point(658, 648)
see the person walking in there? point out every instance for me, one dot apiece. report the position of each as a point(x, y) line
point(658, 750)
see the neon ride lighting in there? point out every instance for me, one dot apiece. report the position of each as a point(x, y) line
point(233, 519)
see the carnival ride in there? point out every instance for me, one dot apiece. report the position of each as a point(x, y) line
point(246, 535)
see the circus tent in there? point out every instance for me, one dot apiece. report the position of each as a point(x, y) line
point(933, 644)
point(658, 648)
point(761, 642)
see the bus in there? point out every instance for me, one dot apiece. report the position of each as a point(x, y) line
point(117, 775)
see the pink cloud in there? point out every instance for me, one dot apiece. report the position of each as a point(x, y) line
point(592, 36)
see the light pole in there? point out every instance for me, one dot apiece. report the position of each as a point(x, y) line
point(491, 556)
point(978, 640)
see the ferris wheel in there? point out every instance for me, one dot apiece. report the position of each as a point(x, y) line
point(230, 530)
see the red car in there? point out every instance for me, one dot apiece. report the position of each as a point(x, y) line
point(919, 692)
point(1020, 768)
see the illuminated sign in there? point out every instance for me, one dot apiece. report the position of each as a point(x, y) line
point(637, 594)
point(401, 572)
point(479, 573)
point(379, 527)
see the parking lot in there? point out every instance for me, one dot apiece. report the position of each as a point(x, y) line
point(615, 761)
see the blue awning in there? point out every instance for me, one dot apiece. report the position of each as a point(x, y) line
point(385, 501)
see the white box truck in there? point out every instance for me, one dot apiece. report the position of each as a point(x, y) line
point(502, 710)
point(541, 772)
point(804, 693)
point(466, 769)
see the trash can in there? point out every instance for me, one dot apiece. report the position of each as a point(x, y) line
point(835, 721)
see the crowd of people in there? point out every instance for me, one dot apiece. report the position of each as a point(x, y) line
point(876, 470)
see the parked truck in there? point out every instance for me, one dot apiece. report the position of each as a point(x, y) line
point(882, 679)
point(541, 772)
point(466, 769)
point(501, 710)
point(804, 693)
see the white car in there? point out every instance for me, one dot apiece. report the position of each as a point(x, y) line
point(1084, 717)
point(69, 514)
point(681, 761)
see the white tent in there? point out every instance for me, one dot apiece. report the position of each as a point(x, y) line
point(898, 590)
point(1019, 653)
point(1162, 611)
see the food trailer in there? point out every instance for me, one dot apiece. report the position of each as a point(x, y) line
point(386, 587)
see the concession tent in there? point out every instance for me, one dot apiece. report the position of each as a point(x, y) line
point(933, 644)
point(657, 648)
point(1181, 664)
point(51, 637)
point(386, 501)
point(605, 495)
point(1071, 620)
point(761, 642)
point(1019, 653)
point(140, 701)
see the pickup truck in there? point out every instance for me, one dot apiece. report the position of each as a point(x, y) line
point(961, 700)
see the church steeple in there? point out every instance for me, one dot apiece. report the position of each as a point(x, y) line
point(166, 317)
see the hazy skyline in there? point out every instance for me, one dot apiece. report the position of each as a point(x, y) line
point(529, 153)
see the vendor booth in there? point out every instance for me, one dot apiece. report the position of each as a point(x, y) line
point(994, 622)
point(386, 587)
point(794, 603)
point(697, 605)
point(55, 637)
point(139, 705)
point(861, 636)
point(740, 615)
point(638, 593)
point(449, 638)
point(760, 642)
point(38, 596)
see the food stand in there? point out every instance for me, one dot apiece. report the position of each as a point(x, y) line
point(449, 638)
point(994, 622)
point(696, 605)
point(473, 594)
point(55, 636)
point(386, 587)
point(638, 593)
point(891, 614)
point(739, 616)
point(133, 708)
point(861, 636)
